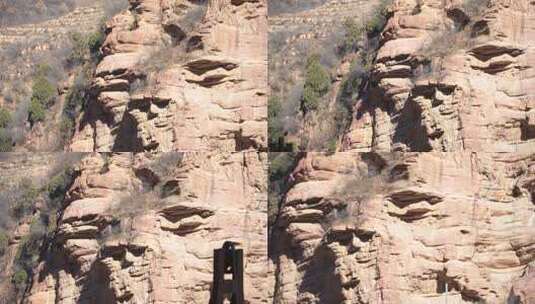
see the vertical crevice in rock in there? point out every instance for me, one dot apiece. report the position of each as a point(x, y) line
point(127, 139)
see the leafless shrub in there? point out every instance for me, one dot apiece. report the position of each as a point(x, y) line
point(329, 47)
point(448, 41)
point(474, 8)
point(5, 219)
point(113, 7)
point(19, 118)
point(154, 177)
point(155, 63)
point(277, 7)
point(16, 12)
point(358, 188)
point(277, 40)
point(64, 161)
point(290, 108)
point(166, 163)
point(118, 230)
point(193, 16)
point(138, 85)
point(136, 203)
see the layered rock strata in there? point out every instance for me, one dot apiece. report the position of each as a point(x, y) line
point(180, 75)
point(449, 76)
point(401, 228)
point(139, 228)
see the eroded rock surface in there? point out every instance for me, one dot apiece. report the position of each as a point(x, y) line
point(202, 87)
point(396, 228)
point(448, 77)
point(134, 232)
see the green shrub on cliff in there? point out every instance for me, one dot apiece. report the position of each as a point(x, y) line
point(30, 246)
point(4, 242)
point(378, 18)
point(36, 112)
point(75, 101)
point(58, 186)
point(79, 52)
point(317, 83)
point(43, 94)
point(86, 47)
point(23, 205)
point(5, 118)
point(43, 91)
point(275, 128)
point(353, 34)
point(6, 142)
point(19, 279)
point(280, 167)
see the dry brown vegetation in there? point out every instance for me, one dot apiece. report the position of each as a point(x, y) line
point(16, 12)
point(176, 51)
point(37, 202)
point(280, 167)
point(157, 182)
point(312, 109)
point(448, 41)
point(357, 189)
point(277, 7)
point(20, 62)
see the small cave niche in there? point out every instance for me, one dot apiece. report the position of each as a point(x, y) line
point(320, 278)
point(127, 139)
point(194, 43)
point(445, 283)
point(516, 192)
point(399, 172)
point(170, 188)
point(137, 251)
point(417, 9)
point(148, 178)
point(376, 163)
point(527, 131)
point(459, 17)
point(244, 143)
point(512, 298)
point(96, 287)
point(410, 128)
point(175, 31)
point(480, 28)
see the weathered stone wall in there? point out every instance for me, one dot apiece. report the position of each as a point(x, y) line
point(395, 228)
point(110, 247)
point(431, 90)
point(210, 94)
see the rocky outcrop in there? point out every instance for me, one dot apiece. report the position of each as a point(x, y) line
point(165, 85)
point(401, 228)
point(450, 76)
point(140, 228)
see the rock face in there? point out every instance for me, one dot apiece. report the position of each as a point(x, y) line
point(137, 228)
point(448, 77)
point(399, 228)
point(163, 86)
